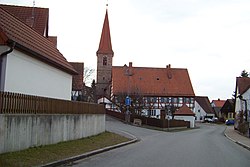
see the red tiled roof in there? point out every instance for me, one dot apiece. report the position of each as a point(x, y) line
point(105, 46)
point(204, 102)
point(38, 23)
point(185, 111)
point(243, 84)
point(77, 82)
point(218, 103)
point(151, 81)
point(28, 40)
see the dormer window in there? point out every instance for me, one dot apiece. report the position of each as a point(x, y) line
point(104, 61)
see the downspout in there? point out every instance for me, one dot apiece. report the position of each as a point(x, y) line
point(1, 58)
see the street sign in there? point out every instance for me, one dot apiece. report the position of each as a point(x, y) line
point(128, 101)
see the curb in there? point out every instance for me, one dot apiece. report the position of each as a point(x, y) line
point(237, 142)
point(88, 154)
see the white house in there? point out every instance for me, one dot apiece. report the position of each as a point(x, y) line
point(203, 108)
point(30, 63)
point(242, 101)
point(184, 113)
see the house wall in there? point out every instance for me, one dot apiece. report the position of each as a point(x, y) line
point(191, 119)
point(199, 112)
point(24, 74)
point(21, 131)
point(240, 105)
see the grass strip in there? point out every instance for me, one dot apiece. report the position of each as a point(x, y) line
point(45, 154)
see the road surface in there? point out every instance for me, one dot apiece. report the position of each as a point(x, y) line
point(202, 147)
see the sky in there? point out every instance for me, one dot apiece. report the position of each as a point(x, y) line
point(211, 38)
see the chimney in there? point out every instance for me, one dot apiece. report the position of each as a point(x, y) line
point(130, 64)
point(168, 66)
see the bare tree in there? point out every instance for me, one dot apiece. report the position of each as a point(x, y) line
point(88, 75)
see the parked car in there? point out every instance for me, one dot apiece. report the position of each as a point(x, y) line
point(208, 120)
point(229, 122)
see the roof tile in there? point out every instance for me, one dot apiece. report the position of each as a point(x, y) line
point(35, 17)
point(31, 41)
point(151, 81)
point(185, 111)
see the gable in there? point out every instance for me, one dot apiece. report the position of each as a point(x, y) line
point(203, 101)
point(184, 111)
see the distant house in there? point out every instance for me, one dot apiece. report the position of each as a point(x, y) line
point(242, 101)
point(203, 108)
point(227, 109)
point(217, 105)
point(77, 83)
point(30, 63)
point(184, 113)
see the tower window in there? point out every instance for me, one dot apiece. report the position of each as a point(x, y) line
point(104, 61)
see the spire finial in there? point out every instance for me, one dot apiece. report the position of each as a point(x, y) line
point(107, 4)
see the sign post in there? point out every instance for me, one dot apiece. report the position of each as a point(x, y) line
point(127, 103)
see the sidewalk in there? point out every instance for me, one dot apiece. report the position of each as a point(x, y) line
point(233, 135)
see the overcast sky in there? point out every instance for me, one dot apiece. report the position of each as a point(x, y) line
point(211, 38)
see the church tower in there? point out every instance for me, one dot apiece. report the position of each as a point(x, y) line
point(104, 61)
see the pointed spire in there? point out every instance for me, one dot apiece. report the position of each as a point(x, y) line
point(105, 46)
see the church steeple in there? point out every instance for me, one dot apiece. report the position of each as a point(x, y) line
point(105, 46)
point(104, 62)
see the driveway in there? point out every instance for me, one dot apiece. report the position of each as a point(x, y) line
point(205, 146)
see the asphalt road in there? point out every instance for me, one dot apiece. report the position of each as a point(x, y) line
point(203, 147)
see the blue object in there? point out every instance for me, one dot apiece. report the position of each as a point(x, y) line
point(128, 101)
point(229, 122)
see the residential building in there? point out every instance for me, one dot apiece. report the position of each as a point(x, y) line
point(242, 101)
point(203, 108)
point(77, 82)
point(30, 63)
point(152, 89)
point(217, 105)
point(227, 110)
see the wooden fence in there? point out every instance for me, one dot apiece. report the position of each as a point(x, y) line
point(151, 121)
point(14, 103)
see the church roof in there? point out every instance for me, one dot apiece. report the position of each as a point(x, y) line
point(37, 18)
point(148, 81)
point(105, 46)
point(30, 41)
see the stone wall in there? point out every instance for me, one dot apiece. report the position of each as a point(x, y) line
point(21, 131)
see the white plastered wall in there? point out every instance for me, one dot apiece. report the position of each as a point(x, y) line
point(27, 75)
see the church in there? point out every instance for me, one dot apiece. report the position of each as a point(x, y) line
point(150, 89)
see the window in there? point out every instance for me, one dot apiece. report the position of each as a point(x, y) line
point(180, 100)
point(104, 61)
